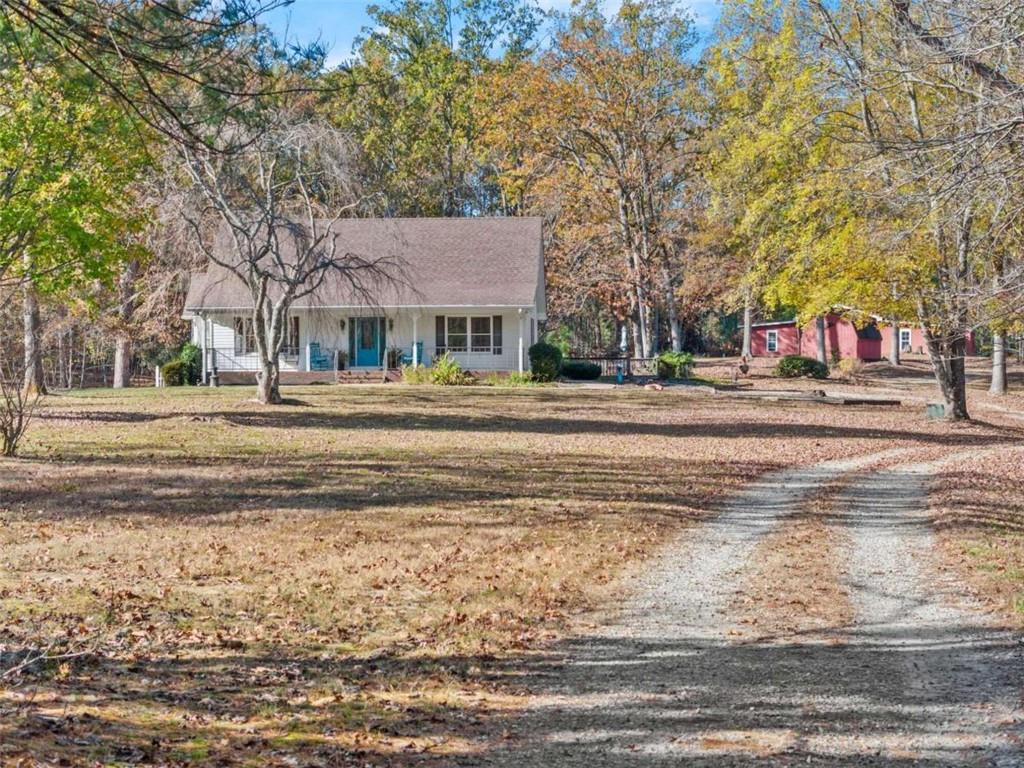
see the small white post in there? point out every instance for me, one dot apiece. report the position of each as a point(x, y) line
point(415, 338)
point(158, 377)
point(203, 321)
point(520, 341)
point(309, 358)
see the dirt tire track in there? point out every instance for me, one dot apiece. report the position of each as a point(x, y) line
point(669, 681)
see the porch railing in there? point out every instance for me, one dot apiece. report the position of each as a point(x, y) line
point(494, 359)
point(631, 366)
point(503, 359)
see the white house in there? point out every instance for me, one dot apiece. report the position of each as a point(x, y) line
point(471, 287)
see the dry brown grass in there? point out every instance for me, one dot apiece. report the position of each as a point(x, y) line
point(351, 577)
point(794, 583)
point(978, 505)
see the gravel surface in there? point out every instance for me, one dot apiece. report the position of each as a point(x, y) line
point(672, 680)
point(937, 657)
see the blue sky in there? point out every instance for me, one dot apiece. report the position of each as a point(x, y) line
point(337, 22)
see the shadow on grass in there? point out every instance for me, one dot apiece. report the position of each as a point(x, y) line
point(721, 428)
point(881, 698)
point(569, 484)
point(979, 505)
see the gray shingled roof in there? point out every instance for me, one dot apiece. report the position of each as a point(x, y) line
point(439, 263)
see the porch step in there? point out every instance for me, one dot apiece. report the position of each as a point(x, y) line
point(366, 377)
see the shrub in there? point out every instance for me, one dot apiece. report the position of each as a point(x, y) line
point(545, 361)
point(17, 406)
point(850, 368)
point(447, 372)
point(419, 374)
point(191, 358)
point(796, 366)
point(513, 379)
point(578, 369)
point(516, 379)
point(675, 365)
point(175, 373)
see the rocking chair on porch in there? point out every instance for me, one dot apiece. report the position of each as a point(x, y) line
point(317, 360)
point(406, 359)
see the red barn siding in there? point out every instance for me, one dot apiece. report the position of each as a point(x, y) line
point(917, 345)
point(840, 334)
point(788, 340)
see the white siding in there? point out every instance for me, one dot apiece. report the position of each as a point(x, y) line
point(324, 326)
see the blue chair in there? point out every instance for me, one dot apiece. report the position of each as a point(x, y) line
point(317, 360)
point(406, 358)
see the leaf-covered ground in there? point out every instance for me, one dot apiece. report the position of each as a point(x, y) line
point(349, 579)
point(978, 503)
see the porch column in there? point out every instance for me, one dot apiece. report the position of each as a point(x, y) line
point(202, 323)
point(415, 338)
point(520, 355)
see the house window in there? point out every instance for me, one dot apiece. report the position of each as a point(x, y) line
point(772, 343)
point(291, 345)
point(456, 337)
point(905, 339)
point(469, 334)
point(480, 336)
point(245, 336)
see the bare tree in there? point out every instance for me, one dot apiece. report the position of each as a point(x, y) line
point(17, 402)
point(275, 201)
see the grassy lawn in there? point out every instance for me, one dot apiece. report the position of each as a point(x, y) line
point(351, 577)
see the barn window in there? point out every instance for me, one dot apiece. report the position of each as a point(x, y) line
point(772, 343)
point(905, 340)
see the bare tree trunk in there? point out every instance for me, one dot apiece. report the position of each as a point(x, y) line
point(70, 367)
point(60, 359)
point(123, 340)
point(643, 317)
point(998, 386)
point(34, 382)
point(675, 327)
point(637, 335)
point(122, 362)
point(269, 338)
point(81, 377)
point(947, 358)
point(268, 383)
point(748, 311)
point(820, 332)
point(894, 344)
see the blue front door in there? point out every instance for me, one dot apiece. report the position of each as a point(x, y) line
point(369, 340)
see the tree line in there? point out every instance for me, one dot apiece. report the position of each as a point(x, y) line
point(807, 157)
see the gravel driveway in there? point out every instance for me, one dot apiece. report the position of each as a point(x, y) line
point(919, 679)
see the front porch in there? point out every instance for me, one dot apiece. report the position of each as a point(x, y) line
point(322, 343)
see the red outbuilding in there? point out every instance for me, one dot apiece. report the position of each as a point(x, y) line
point(866, 342)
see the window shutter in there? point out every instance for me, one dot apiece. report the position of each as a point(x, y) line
point(496, 341)
point(439, 332)
point(239, 332)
